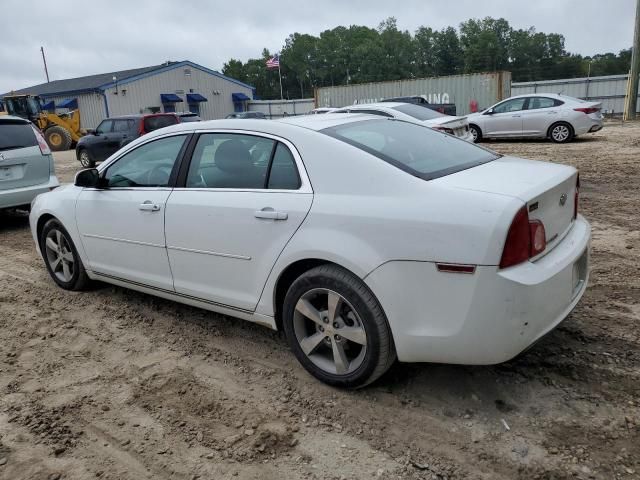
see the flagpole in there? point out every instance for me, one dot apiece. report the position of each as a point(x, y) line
point(280, 75)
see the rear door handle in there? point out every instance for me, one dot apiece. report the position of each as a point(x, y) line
point(271, 214)
point(148, 206)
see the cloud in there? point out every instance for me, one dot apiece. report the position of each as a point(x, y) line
point(83, 38)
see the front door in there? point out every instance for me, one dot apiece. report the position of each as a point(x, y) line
point(243, 199)
point(506, 119)
point(122, 224)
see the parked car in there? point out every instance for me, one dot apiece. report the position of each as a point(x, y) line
point(456, 126)
point(245, 115)
point(188, 117)
point(537, 115)
point(321, 110)
point(446, 108)
point(362, 238)
point(115, 132)
point(26, 163)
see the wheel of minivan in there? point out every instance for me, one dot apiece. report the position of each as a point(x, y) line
point(61, 257)
point(561, 132)
point(85, 158)
point(476, 132)
point(336, 328)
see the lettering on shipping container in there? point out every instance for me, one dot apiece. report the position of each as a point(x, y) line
point(430, 97)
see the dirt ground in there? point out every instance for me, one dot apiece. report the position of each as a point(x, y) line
point(114, 384)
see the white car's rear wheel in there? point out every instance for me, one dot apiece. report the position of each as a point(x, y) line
point(336, 327)
point(561, 132)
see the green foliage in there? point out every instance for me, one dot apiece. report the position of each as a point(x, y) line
point(359, 54)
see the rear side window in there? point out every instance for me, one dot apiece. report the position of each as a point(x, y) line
point(159, 121)
point(230, 160)
point(418, 112)
point(16, 135)
point(418, 150)
point(123, 126)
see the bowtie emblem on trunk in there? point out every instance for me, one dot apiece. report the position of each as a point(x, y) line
point(563, 199)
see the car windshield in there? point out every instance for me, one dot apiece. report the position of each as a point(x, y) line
point(418, 112)
point(16, 135)
point(413, 148)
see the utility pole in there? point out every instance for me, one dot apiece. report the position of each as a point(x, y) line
point(632, 100)
point(44, 60)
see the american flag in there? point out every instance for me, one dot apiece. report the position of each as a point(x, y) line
point(273, 62)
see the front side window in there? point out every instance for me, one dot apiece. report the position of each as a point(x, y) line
point(418, 150)
point(540, 102)
point(104, 127)
point(149, 165)
point(514, 105)
point(230, 160)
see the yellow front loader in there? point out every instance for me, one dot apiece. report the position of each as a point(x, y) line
point(60, 130)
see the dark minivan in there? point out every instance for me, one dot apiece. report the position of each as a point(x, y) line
point(115, 132)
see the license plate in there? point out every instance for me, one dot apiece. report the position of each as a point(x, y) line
point(6, 173)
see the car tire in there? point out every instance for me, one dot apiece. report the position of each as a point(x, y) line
point(561, 132)
point(58, 138)
point(61, 257)
point(336, 328)
point(86, 159)
point(476, 132)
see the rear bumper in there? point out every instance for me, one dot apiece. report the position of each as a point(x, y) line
point(17, 197)
point(487, 317)
point(589, 125)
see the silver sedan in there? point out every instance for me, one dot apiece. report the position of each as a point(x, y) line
point(542, 115)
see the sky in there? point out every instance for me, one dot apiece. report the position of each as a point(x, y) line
point(87, 37)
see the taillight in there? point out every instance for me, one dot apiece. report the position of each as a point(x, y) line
point(576, 198)
point(141, 128)
point(525, 239)
point(587, 110)
point(42, 143)
point(538, 237)
point(444, 130)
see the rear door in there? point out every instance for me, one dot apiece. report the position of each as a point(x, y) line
point(506, 119)
point(21, 161)
point(541, 112)
point(243, 198)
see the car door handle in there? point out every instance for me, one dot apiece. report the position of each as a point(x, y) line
point(148, 206)
point(271, 214)
point(516, 115)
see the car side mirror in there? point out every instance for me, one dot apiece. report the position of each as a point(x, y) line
point(89, 178)
point(90, 131)
point(489, 112)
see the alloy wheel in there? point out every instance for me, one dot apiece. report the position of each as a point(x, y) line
point(560, 133)
point(329, 331)
point(59, 255)
point(85, 161)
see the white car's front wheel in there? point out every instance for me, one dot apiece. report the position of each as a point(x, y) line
point(336, 328)
point(61, 257)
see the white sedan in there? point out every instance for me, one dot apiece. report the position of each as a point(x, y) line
point(537, 115)
point(365, 239)
point(410, 112)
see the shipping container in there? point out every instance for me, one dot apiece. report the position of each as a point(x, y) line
point(281, 108)
point(610, 90)
point(483, 88)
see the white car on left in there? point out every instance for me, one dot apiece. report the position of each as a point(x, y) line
point(410, 112)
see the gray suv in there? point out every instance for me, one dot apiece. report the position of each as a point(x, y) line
point(26, 163)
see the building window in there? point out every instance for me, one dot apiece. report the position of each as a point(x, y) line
point(194, 108)
point(169, 107)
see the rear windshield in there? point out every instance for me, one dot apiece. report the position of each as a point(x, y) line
point(418, 150)
point(416, 111)
point(16, 135)
point(159, 121)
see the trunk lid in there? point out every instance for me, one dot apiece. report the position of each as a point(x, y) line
point(459, 125)
point(548, 189)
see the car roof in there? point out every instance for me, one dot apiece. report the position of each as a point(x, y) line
point(13, 119)
point(385, 105)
